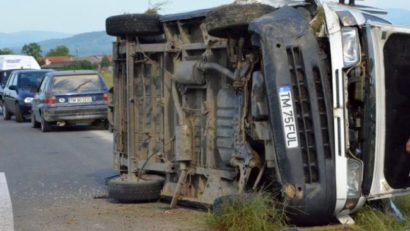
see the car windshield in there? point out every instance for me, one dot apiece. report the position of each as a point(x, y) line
point(30, 80)
point(77, 84)
point(4, 76)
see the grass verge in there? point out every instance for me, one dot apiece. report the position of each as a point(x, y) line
point(258, 213)
point(107, 75)
point(247, 213)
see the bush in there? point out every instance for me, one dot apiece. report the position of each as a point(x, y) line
point(247, 213)
point(81, 65)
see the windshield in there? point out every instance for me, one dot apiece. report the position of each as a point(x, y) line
point(30, 80)
point(77, 84)
point(4, 76)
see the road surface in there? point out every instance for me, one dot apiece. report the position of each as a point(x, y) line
point(57, 182)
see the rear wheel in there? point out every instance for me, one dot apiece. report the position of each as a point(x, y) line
point(44, 125)
point(133, 24)
point(147, 188)
point(6, 113)
point(19, 115)
point(232, 20)
point(34, 123)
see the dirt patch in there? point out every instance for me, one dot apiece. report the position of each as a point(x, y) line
point(104, 215)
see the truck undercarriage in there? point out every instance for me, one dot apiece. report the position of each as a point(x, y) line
point(248, 97)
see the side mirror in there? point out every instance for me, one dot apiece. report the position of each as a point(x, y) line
point(13, 88)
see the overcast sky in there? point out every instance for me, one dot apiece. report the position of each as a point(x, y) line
point(76, 16)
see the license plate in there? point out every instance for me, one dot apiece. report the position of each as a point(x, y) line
point(80, 100)
point(288, 117)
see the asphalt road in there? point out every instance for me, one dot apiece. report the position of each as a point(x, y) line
point(57, 182)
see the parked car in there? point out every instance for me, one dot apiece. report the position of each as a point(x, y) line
point(70, 98)
point(19, 91)
point(9, 63)
point(308, 100)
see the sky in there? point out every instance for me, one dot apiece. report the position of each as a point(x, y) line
point(77, 16)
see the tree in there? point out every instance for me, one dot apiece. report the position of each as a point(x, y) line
point(32, 49)
point(81, 65)
point(58, 51)
point(105, 62)
point(6, 51)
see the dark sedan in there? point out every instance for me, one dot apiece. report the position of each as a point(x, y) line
point(70, 98)
point(19, 92)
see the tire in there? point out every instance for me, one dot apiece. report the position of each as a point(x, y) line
point(133, 24)
point(6, 113)
point(146, 190)
point(19, 115)
point(34, 123)
point(44, 125)
point(232, 20)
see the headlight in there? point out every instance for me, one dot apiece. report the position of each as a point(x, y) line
point(351, 46)
point(354, 178)
point(28, 100)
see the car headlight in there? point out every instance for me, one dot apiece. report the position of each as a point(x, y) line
point(354, 178)
point(351, 46)
point(28, 100)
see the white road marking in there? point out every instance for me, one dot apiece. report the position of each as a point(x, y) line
point(6, 209)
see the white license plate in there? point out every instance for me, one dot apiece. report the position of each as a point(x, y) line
point(288, 117)
point(80, 100)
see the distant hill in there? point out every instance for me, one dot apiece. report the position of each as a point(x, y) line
point(93, 43)
point(18, 39)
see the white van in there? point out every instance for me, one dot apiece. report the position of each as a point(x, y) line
point(9, 63)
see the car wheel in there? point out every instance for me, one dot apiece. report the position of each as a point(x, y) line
point(147, 188)
point(34, 123)
point(232, 20)
point(133, 24)
point(19, 115)
point(6, 113)
point(44, 125)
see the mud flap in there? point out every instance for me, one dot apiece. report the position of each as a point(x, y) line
point(298, 93)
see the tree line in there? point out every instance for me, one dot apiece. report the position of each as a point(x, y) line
point(34, 49)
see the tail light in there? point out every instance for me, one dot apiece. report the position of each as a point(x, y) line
point(50, 100)
point(106, 97)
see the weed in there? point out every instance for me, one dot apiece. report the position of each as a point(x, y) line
point(247, 213)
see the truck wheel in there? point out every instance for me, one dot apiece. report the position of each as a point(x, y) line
point(34, 123)
point(232, 20)
point(44, 125)
point(6, 113)
point(19, 115)
point(148, 188)
point(133, 24)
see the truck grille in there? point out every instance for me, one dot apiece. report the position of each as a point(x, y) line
point(303, 109)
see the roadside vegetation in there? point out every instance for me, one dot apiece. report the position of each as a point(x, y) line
point(261, 213)
point(256, 212)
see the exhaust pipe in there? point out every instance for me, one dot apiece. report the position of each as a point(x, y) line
point(61, 123)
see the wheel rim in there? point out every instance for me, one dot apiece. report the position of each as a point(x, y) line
point(33, 120)
point(4, 110)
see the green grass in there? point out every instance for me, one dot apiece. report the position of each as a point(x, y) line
point(107, 75)
point(256, 213)
point(259, 214)
point(371, 219)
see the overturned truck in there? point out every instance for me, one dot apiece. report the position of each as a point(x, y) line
point(306, 101)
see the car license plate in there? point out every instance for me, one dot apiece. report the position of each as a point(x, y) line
point(288, 117)
point(80, 100)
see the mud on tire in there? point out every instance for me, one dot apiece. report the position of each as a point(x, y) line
point(232, 20)
point(133, 25)
point(148, 188)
